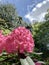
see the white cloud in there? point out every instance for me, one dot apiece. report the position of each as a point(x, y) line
point(44, 2)
point(29, 17)
point(41, 16)
point(38, 18)
point(34, 9)
point(38, 12)
point(39, 5)
point(47, 0)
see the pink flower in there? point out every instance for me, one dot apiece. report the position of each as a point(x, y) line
point(38, 63)
point(10, 45)
point(2, 39)
point(23, 39)
point(20, 40)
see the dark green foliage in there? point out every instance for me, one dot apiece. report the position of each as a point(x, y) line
point(41, 37)
point(9, 59)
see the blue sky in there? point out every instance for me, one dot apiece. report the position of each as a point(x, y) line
point(24, 7)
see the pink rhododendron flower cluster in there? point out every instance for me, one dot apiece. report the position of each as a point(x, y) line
point(20, 40)
point(2, 40)
point(10, 44)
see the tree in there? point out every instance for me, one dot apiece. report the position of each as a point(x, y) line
point(8, 13)
point(41, 36)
